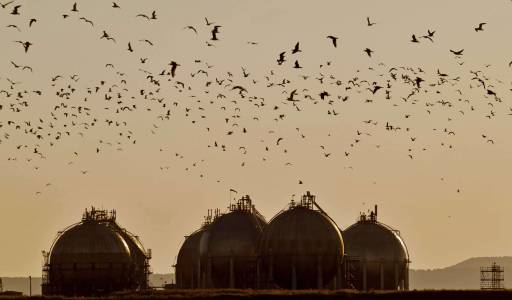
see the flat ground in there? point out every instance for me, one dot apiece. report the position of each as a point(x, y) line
point(309, 294)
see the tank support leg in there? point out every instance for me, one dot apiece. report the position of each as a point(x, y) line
point(209, 274)
point(365, 285)
point(294, 278)
point(397, 283)
point(231, 273)
point(270, 279)
point(198, 274)
point(381, 275)
point(258, 280)
point(406, 277)
point(319, 272)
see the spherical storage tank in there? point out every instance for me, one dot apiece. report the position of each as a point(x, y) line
point(228, 248)
point(302, 248)
point(188, 266)
point(95, 257)
point(377, 256)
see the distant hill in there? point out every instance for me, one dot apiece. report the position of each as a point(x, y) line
point(464, 275)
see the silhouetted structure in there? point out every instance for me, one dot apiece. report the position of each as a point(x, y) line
point(95, 257)
point(492, 278)
point(301, 248)
point(188, 266)
point(228, 247)
point(377, 257)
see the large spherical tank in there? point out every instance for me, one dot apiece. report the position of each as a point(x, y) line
point(187, 263)
point(231, 249)
point(301, 248)
point(93, 257)
point(228, 247)
point(140, 257)
point(377, 251)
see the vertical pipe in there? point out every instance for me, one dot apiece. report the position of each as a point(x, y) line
point(209, 273)
point(381, 272)
point(30, 285)
point(270, 272)
point(365, 286)
point(258, 275)
point(231, 273)
point(193, 278)
point(338, 275)
point(294, 277)
point(198, 273)
point(319, 274)
point(406, 276)
point(397, 283)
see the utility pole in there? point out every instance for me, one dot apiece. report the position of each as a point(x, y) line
point(30, 285)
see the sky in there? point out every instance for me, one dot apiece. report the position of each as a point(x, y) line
point(441, 179)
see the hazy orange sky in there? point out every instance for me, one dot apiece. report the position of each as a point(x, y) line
point(448, 203)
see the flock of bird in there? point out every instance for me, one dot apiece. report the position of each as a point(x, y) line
point(235, 99)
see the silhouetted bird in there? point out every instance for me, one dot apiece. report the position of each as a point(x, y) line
point(173, 65)
point(15, 10)
point(26, 45)
point(368, 51)
point(296, 48)
point(334, 40)
point(480, 27)
point(368, 22)
point(281, 59)
point(215, 30)
point(457, 52)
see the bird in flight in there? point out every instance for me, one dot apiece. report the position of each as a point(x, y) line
point(107, 36)
point(173, 65)
point(32, 21)
point(334, 40)
point(215, 30)
point(74, 9)
point(480, 27)
point(15, 10)
point(292, 94)
point(87, 21)
point(26, 45)
point(430, 35)
point(13, 26)
point(153, 16)
point(281, 59)
point(115, 5)
point(296, 48)
point(4, 5)
point(368, 22)
point(208, 23)
point(191, 28)
point(458, 53)
point(146, 41)
point(414, 39)
point(368, 51)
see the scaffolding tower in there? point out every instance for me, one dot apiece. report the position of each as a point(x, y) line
point(492, 277)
